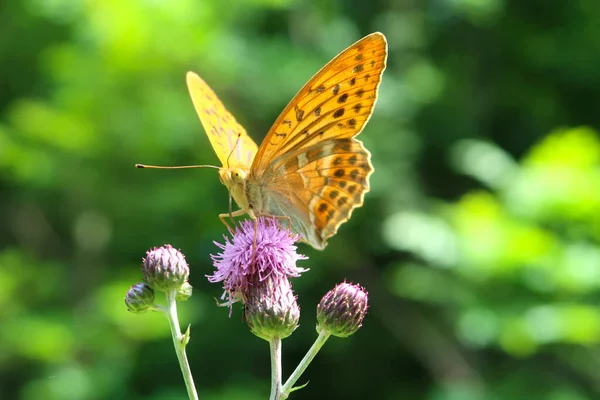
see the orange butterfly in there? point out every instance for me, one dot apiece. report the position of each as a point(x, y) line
point(309, 168)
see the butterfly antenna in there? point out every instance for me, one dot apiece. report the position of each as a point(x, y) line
point(176, 167)
point(234, 146)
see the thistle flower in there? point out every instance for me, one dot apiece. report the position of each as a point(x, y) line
point(241, 265)
point(165, 268)
point(342, 310)
point(139, 298)
point(271, 309)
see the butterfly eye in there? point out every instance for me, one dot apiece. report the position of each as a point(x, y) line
point(238, 175)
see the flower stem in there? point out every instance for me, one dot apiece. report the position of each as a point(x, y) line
point(310, 355)
point(275, 345)
point(180, 341)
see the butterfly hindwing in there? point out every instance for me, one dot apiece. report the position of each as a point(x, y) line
point(319, 188)
point(223, 131)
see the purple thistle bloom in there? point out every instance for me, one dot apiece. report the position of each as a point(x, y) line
point(240, 263)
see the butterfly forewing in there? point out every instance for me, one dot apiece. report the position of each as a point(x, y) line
point(335, 103)
point(228, 138)
point(309, 166)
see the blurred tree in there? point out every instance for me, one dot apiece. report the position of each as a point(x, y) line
point(478, 242)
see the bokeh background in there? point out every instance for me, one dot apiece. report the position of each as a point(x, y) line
point(478, 242)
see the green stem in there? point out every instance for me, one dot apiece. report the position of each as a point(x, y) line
point(180, 341)
point(275, 346)
point(310, 355)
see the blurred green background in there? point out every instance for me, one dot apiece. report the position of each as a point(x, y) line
point(478, 242)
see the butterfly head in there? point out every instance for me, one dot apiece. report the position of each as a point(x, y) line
point(232, 176)
point(235, 181)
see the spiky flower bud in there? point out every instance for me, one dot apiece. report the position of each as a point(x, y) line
point(165, 268)
point(271, 309)
point(184, 292)
point(342, 310)
point(139, 298)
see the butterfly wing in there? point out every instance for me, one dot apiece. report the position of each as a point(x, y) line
point(336, 102)
point(309, 167)
point(319, 187)
point(223, 131)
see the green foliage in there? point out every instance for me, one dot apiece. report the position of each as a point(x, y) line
point(478, 242)
point(534, 237)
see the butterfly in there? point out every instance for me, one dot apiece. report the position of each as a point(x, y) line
point(309, 169)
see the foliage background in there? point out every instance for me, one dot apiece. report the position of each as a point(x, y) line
point(478, 242)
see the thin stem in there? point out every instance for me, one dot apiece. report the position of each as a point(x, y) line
point(310, 355)
point(275, 345)
point(180, 341)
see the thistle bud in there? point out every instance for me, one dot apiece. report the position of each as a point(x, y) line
point(271, 309)
point(184, 292)
point(139, 298)
point(342, 310)
point(165, 268)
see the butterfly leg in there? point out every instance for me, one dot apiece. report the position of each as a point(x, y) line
point(239, 213)
point(254, 244)
point(223, 217)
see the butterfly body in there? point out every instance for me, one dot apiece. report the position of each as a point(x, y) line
point(235, 181)
point(309, 169)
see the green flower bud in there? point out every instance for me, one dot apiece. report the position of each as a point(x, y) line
point(184, 292)
point(271, 309)
point(342, 310)
point(139, 298)
point(165, 268)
